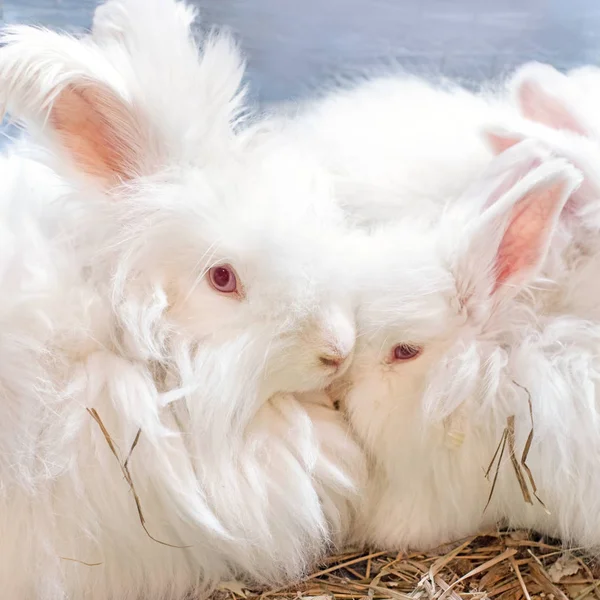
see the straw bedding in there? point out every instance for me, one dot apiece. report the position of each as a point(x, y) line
point(499, 565)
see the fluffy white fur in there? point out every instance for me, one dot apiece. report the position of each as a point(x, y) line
point(432, 424)
point(398, 145)
point(401, 149)
point(106, 306)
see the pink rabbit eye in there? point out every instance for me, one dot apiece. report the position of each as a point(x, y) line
point(223, 279)
point(405, 352)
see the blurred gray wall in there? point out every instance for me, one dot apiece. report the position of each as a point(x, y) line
point(294, 45)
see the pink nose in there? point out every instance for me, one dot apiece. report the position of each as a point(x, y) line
point(332, 360)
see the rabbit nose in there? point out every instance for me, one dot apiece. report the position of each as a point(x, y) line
point(334, 360)
point(331, 361)
point(337, 335)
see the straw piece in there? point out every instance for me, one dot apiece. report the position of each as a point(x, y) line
point(497, 566)
point(127, 474)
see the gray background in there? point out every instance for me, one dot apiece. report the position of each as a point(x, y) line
point(294, 45)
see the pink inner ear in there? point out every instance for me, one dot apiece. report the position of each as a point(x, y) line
point(99, 131)
point(502, 142)
point(539, 106)
point(526, 237)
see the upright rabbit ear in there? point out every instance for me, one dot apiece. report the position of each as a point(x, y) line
point(167, 100)
point(198, 95)
point(551, 104)
point(506, 244)
point(125, 21)
point(61, 86)
point(582, 153)
point(100, 132)
point(548, 97)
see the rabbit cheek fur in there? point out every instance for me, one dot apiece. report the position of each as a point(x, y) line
point(109, 309)
point(431, 425)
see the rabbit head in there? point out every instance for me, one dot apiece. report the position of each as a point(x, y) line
point(442, 297)
point(203, 240)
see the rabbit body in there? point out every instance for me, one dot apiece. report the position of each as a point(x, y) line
point(398, 145)
point(491, 369)
point(152, 443)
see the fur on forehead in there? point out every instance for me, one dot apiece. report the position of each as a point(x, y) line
point(275, 186)
point(262, 213)
point(405, 283)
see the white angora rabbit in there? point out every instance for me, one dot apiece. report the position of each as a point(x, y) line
point(167, 286)
point(459, 340)
point(400, 148)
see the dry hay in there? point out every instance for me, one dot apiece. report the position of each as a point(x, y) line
point(499, 565)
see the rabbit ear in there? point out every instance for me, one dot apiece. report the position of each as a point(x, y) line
point(61, 86)
point(550, 103)
point(528, 214)
point(500, 140)
point(546, 96)
point(99, 132)
point(199, 96)
point(582, 153)
point(165, 102)
point(127, 21)
point(512, 166)
point(509, 240)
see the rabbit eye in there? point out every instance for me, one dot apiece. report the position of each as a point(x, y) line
point(403, 352)
point(222, 278)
